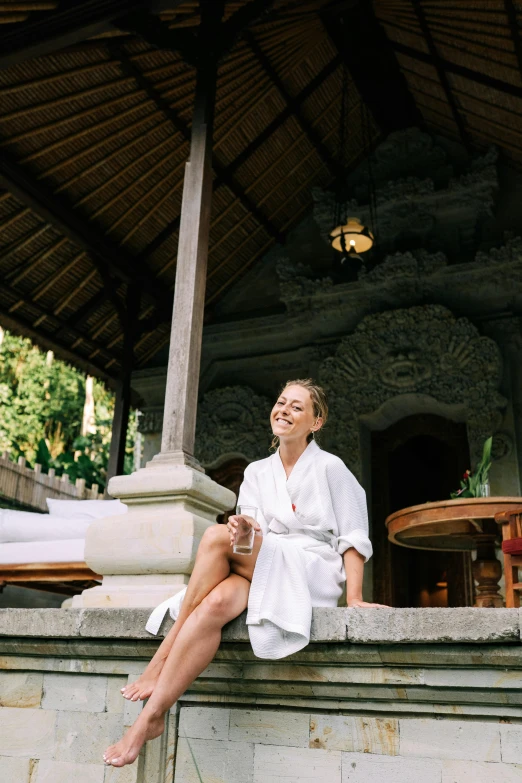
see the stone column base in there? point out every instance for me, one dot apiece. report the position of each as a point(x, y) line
point(147, 555)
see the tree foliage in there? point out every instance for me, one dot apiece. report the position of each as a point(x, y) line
point(41, 406)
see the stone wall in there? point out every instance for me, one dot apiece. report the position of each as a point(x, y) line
point(379, 696)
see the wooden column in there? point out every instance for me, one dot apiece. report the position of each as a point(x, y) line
point(179, 423)
point(120, 420)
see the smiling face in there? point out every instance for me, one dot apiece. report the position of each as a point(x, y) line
point(292, 416)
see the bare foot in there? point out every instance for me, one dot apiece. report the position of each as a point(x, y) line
point(127, 749)
point(145, 684)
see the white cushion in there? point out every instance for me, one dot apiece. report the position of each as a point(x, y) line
point(30, 526)
point(42, 552)
point(85, 509)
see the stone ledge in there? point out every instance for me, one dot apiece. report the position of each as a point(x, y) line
point(356, 626)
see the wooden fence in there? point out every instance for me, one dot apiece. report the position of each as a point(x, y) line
point(29, 487)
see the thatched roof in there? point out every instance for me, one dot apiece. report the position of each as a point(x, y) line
point(96, 108)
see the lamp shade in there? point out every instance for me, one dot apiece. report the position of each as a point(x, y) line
point(352, 238)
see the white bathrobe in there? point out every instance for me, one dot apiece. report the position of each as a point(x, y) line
point(307, 521)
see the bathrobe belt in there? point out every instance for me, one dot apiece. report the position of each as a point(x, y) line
point(280, 529)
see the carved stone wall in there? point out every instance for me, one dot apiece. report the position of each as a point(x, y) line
point(424, 353)
point(232, 421)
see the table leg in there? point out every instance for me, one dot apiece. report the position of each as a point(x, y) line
point(487, 571)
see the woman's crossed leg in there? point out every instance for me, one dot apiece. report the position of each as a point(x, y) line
point(216, 594)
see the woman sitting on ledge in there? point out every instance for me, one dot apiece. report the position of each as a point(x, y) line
point(311, 516)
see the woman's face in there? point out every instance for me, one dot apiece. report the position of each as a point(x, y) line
point(293, 416)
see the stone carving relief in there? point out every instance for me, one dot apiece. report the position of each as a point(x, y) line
point(232, 420)
point(151, 420)
point(297, 281)
point(416, 264)
point(422, 351)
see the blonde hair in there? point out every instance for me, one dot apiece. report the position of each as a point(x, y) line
point(319, 403)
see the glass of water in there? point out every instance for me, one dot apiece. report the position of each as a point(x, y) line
point(244, 537)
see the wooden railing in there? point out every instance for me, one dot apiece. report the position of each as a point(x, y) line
point(30, 487)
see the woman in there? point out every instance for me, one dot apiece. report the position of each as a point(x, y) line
point(311, 517)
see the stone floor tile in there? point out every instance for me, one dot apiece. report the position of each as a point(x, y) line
point(214, 761)
point(204, 723)
point(83, 737)
point(478, 772)
point(128, 774)
point(74, 692)
point(270, 728)
point(13, 770)
point(20, 689)
point(449, 739)
point(356, 734)
point(367, 768)
point(511, 743)
point(27, 732)
point(115, 701)
point(275, 764)
point(60, 772)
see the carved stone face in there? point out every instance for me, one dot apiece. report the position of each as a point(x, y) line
point(404, 369)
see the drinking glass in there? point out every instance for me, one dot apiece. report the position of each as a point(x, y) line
point(244, 537)
point(484, 490)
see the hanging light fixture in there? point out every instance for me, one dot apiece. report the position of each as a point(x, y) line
point(352, 237)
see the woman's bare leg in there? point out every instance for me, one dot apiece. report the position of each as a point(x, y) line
point(214, 561)
point(194, 648)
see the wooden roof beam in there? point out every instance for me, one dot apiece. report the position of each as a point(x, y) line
point(53, 209)
point(232, 29)
point(367, 53)
point(511, 14)
point(171, 228)
point(460, 70)
point(442, 75)
point(294, 105)
point(225, 177)
point(158, 34)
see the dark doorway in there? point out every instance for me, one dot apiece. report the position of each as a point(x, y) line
point(417, 460)
point(229, 475)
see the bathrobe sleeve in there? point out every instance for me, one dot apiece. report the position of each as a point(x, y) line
point(350, 510)
point(249, 495)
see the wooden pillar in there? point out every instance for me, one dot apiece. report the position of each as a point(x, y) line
point(120, 420)
point(179, 422)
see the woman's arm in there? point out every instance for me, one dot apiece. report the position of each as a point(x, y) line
point(354, 568)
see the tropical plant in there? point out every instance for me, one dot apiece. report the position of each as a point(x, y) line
point(470, 485)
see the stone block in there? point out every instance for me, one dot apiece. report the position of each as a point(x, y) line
point(127, 774)
point(20, 689)
point(115, 701)
point(237, 630)
point(366, 768)
point(477, 772)
point(355, 734)
point(27, 732)
point(39, 622)
point(114, 623)
point(82, 737)
point(131, 709)
point(78, 692)
point(466, 625)
point(511, 743)
point(60, 772)
point(15, 770)
point(204, 723)
point(328, 625)
point(474, 678)
point(274, 764)
point(270, 728)
point(213, 761)
point(449, 739)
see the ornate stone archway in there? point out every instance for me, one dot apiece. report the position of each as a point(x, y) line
point(422, 354)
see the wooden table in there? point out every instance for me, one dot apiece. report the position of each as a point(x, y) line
point(458, 525)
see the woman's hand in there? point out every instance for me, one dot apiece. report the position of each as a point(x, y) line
point(360, 604)
point(233, 523)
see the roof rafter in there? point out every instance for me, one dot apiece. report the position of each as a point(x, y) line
point(511, 14)
point(249, 150)
point(293, 104)
point(441, 73)
point(180, 125)
point(243, 18)
point(70, 25)
point(460, 70)
point(56, 211)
